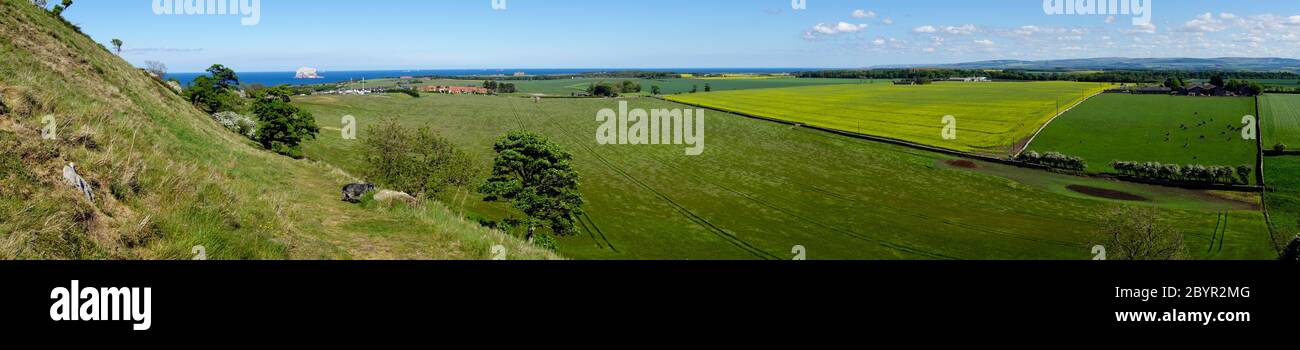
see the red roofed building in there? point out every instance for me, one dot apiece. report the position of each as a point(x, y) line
point(468, 90)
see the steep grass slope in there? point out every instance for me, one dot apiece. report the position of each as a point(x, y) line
point(166, 178)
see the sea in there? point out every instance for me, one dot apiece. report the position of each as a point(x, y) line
point(329, 77)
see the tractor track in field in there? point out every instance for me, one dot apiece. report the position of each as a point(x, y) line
point(859, 236)
point(872, 205)
point(856, 235)
point(709, 226)
point(791, 213)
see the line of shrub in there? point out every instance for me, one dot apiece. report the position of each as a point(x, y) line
point(1186, 173)
point(1053, 159)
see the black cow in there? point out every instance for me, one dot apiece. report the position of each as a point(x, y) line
point(353, 192)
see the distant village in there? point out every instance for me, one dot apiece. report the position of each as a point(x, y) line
point(1205, 89)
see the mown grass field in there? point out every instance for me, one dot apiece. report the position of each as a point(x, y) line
point(1148, 128)
point(1284, 198)
point(761, 188)
point(991, 117)
point(1280, 120)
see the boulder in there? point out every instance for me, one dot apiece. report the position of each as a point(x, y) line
point(386, 196)
point(74, 179)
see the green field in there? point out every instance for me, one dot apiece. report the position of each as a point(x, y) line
point(565, 87)
point(991, 117)
point(761, 188)
point(1280, 120)
point(1284, 198)
point(1148, 128)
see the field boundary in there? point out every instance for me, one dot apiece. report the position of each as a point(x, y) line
point(1017, 152)
point(882, 139)
point(983, 157)
point(1263, 195)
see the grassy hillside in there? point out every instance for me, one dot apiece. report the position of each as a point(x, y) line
point(1146, 128)
point(991, 118)
point(761, 188)
point(166, 178)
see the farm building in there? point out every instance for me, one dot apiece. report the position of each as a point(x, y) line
point(1158, 90)
point(464, 90)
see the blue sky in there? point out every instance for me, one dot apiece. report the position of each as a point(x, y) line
point(455, 34)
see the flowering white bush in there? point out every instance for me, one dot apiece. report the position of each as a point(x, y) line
point(236, 122)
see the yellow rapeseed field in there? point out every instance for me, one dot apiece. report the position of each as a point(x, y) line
point(989, 118)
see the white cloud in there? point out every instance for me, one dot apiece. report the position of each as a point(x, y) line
point(1110, 20)
point(838, 28)
point(1206, 23)
point(985, 42)
point(887, 21)
point(878, 42)
point(961, 30)
point(864, 14)
point(1142, 28)
point(952, 30)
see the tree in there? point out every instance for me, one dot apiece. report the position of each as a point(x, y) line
point(1135, 233)
point(1279, 148)
point(1217, 80)
point(156, 68)
point(1292, 251)
point(281, 127)
point(535, 176)
point(223, 78)
point(707, 87)
point(1244, 172)
point(117, 46)
point(695, 88)
point(654, 89)
point(603, 89)
point(58, 9)
point(419, 162)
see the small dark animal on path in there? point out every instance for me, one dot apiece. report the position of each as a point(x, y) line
point(353, 192)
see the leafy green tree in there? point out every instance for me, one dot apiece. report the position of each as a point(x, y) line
point(117, 46)
point(281, 127)
point(1244, 173)
point(419, 162)
point(1136, 233)
point(654, 90)
point(223, 78)
point(1217, 80)
point(536, 177)
point(707, 87)
point(58, 9)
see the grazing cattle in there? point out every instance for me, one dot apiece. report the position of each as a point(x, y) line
point(353, 192)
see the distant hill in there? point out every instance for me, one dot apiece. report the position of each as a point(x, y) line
point(1122, 63)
